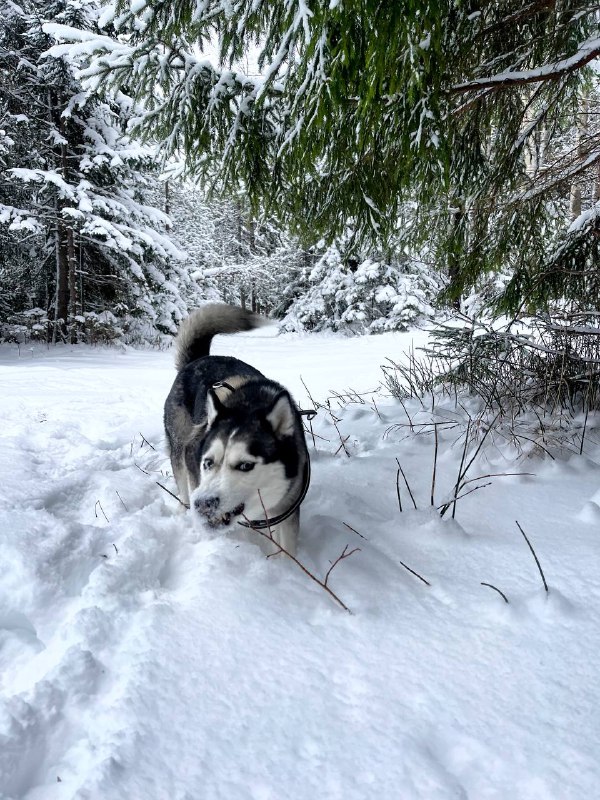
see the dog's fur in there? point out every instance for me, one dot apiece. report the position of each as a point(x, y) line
point(228, 444)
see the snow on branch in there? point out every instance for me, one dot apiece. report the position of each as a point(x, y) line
point(586, 52)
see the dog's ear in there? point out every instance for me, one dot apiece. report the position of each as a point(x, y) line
point(214, 407)
point(281, 415)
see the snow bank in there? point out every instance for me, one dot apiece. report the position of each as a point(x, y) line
point(144, 658)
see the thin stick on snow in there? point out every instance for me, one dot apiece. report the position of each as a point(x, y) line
point(185, 505)
point(342, 439)
point(398, 489)
point(281, 549)
point(145, 441)
point(310, 397)
point(458, 479)
point(375, 407)
point(460, 496)
point(435, 456)
point(539, 566)
point(312, 433)
point(584, 429)
point(99, 506)
point(495, 588)
point(344, 554)
point(496, 475)
point(416, 574)
point(407, 484)
point(350, 528)
point(122, 501)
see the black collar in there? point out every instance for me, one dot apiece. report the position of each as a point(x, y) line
point(260, 524)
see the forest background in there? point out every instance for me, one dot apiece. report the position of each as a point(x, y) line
point(348, 165)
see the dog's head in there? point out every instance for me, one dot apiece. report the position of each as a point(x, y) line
point(245, 461)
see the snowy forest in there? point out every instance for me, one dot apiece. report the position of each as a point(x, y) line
point(427, 172)
point(341, 166)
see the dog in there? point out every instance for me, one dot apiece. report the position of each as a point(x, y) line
point(235, 438)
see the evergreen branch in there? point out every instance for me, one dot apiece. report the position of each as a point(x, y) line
point(587, 51)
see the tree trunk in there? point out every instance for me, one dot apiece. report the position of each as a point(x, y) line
point(167, 200)
point(582, 116)
point(61, 309)
point(72, 284)
point(453, 257)
point(596, 189)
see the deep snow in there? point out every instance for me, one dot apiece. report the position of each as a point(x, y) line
point(144, 658)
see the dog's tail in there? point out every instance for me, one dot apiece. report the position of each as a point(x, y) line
point(196, 332)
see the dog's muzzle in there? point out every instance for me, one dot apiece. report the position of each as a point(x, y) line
point(209, 508)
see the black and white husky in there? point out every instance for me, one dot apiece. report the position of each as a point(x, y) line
point(235, 438)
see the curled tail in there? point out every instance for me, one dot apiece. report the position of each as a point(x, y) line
point(196, 332)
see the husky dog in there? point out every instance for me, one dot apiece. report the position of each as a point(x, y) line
point(235, 438)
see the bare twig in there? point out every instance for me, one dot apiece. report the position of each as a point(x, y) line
point(122, 501)
point(342, 439)
point(269, 536)
point(350, 528)
point(343, 444)
point(407, 484)
point(496, 475)
point(310, 397)
point(375, 407)
point(435, 455)
point(312, 433)
point(398, 489)
point(145, 441)
point(495, 588)
point(185, 505)
point(539, 566)
point(99, 506)
point(344, 554)
point(464, 494)
point(416, 574)
point(463, 470)
point(462, 461)
point(584, 429)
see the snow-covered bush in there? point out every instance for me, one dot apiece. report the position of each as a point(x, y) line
point(105, 327)
point(528, 367)
point(369, 296)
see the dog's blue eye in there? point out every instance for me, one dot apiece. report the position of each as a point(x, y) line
point(207, 463)
point(246, 466)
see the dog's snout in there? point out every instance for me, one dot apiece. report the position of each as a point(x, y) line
point(206, 505)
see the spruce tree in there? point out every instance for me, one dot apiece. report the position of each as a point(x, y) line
point(379, 116)
point(78, 237)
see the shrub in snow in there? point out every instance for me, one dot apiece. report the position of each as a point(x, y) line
point(370, 296)
point(536, 368)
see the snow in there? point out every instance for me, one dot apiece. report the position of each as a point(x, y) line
point(142, 657)
point(586, 51)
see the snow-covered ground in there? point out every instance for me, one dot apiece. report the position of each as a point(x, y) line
point(142, 658)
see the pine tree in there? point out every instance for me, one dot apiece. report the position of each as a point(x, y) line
point(78, 237)
point(362, 295)
point(362, 111)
